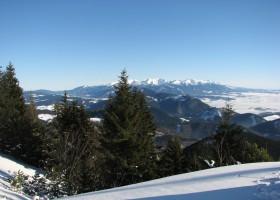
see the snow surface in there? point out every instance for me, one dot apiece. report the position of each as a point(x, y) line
point(95, 119)
point(254, 121)
point(159, 81)
point(256, 181)
point(272, 117)
point(7, 167)
point(49, 107)
point(46, 117)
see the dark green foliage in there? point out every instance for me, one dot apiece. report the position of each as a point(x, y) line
point(173, 160)
point(198, 152)
point(228, 140)
point(20, 131)
point(73, 148)
point(253, 153)
point(128, 130)
point(230, 145)
point(272, 146)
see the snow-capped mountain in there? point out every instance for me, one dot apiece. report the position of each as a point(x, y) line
point(188, 107)
point(159, 81)
point(178, 87)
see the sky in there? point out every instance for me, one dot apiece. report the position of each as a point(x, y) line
point(63, 44)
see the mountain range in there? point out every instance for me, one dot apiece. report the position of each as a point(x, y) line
point(177, 106)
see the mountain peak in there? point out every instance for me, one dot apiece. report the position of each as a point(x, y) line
point(160, 81)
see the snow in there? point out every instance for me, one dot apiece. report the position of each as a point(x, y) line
point(159, 81)
point(37, 95)
point(246, 181)
point(272, 117)
point(95, 119)
point(46, 117)
point(254, 121)
point(184, 120)
point(8, 166)
point(197, 82)
point(49, 107)
point(257, 181)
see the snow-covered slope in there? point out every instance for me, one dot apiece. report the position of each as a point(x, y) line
point(238, 182)
point(256, 181)
point(7, 167)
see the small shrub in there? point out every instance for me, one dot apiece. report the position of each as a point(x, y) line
point(19, 181)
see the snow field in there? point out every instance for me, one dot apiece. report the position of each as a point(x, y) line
point(238, 182)
point(256, 181)
point(8, 166)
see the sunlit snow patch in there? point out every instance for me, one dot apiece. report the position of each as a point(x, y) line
point(49, 107)
point(46, 117)
point(95, 119)
point(272, 117)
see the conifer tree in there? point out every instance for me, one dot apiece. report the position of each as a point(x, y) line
point(128, 130)
point(72, 148)
point(254, 153)
point(231, 144)
point(173, 161)
point(229, 139)
point(18, 129)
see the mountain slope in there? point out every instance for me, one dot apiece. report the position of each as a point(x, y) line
point(270, 129)
point(238, 182)
point(247, 120)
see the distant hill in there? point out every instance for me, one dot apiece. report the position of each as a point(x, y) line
point(247, 120)
point(269, 129)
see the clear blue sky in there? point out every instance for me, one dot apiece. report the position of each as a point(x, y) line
point(61, 44)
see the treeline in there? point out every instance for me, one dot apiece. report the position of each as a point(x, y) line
point(80, 156)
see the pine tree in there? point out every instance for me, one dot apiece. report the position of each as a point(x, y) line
point(229, 139)
point(173, 161)
point(128, 130)
point(72, 148)
point(12, 110)
point(18, 130)
point(254, 153)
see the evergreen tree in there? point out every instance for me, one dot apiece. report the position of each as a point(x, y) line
point(229, 139)
point(72, 148)
point(18, 130)
point(254, 153)
point(128, 131)
point(173, 161)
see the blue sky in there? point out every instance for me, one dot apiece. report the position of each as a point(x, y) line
point(62, 44)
